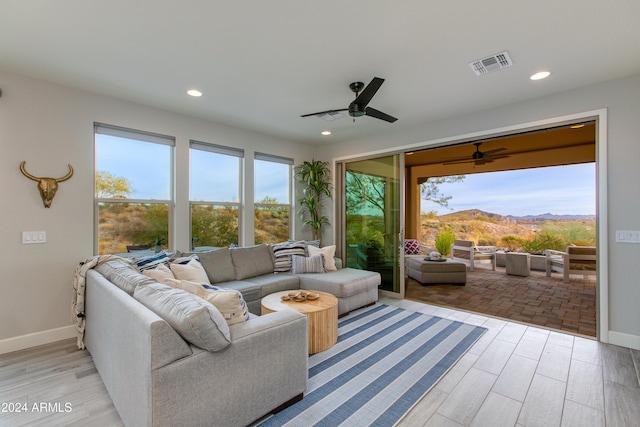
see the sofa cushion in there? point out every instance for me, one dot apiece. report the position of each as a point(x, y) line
point(342, 283)
point(303, 265)
point(123, 275)
point(229, 302)
point(328, 252)
point(250, 291)
point(191, 271)
point(195, 319)
point(270, 283)
point(218, 265)
point(251, 261)
point(160, 273)
point(283, 253)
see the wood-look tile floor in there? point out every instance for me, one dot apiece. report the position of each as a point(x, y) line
point(515, 375)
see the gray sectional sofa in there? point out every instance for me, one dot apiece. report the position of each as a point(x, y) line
point(250, 270)
point(156, 377)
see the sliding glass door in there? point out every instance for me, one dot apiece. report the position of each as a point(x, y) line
point(371, 220)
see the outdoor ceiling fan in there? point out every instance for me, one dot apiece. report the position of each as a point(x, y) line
point(480, 157)
point(359, 106)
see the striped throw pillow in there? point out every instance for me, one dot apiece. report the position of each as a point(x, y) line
point(312, 264)
point(152, 261)
point(283, 253)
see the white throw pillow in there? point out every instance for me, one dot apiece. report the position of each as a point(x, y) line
point(160, 273)
point(229, 302)
point(192, 271)
point(328, 252)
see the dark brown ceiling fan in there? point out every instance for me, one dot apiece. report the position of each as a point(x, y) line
point(480, 157)
point(359, 106)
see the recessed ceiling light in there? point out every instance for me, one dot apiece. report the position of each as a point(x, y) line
point(194, 92)
point(326, 132)
point(541, 75)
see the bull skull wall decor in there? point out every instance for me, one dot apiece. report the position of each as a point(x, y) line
point(46, 186)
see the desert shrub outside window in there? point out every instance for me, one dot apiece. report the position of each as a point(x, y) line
point(133, 196)
point(272, 202)
point(215, 193)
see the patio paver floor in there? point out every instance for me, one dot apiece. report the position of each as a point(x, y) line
point(536, 299)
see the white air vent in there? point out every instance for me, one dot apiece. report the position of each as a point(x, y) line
point(492, 63)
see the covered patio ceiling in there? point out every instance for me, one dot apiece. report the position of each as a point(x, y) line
point(549, 147)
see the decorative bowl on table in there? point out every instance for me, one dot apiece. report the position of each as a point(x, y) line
point(300, 296)
point(435, 256)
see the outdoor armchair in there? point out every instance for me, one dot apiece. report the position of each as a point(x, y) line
point(575, 260)
point(469, 253)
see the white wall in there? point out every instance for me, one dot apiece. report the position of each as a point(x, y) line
point(50, 126)
point(621, 99)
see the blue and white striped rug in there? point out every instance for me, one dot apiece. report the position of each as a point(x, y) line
point(385, 360)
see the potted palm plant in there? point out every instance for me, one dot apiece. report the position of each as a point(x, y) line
point(316, 179)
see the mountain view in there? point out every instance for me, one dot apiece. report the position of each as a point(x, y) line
point(530, 233)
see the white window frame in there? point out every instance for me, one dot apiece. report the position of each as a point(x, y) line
point(138, 135)
point(283, 160)
point(228, 151)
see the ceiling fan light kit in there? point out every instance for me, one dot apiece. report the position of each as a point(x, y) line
point(359, 106)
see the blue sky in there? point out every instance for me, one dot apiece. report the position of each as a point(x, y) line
point(147, 167)
point(557, 190)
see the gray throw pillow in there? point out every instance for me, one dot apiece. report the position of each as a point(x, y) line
point(195, 319)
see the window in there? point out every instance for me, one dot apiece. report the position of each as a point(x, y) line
point(133, 189)
point(272, 189)
point(214, 194)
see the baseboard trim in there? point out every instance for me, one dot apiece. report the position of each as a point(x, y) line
point(22, 342)
point(624, 340)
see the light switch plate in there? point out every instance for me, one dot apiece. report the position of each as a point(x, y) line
point(627, 236)
point(31, 237)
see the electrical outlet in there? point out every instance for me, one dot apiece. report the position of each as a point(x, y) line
point(31, 237)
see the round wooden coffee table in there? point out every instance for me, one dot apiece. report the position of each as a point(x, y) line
point(322, 314)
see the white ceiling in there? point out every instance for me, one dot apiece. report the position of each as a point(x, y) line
point(261, 64)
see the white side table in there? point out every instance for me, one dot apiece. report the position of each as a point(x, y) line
point(518, 264)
